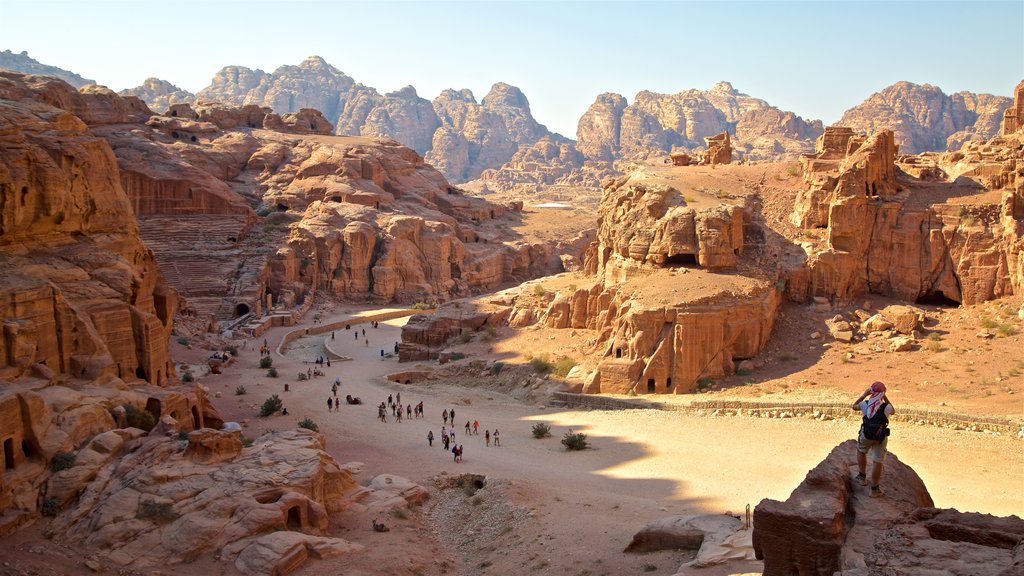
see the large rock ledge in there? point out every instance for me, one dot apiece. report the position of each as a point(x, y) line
point(831, 525)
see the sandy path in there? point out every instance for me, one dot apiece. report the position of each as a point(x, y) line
point(643, 465)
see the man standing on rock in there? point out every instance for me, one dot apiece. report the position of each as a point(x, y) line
point(874, 434)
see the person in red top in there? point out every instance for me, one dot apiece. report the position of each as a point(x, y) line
point(874, 434)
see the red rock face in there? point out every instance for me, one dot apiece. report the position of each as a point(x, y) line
point(830, 524)
point(884, 234)
point(79, 290)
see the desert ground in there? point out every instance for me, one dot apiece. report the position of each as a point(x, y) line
point(547, 511)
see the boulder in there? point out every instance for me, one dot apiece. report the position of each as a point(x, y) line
point(830, 524)
point(715, 539)
point(208, 446)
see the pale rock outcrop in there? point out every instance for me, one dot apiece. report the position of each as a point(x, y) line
point(715, 539)
point(159, 95)
point(25, 64)
point(923, 118)
point(1013, 117)
point(655, 124)
point(719, 149)
point(176, 508)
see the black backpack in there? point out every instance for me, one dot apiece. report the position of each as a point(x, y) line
point(877, 427)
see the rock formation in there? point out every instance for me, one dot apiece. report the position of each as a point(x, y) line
point(661, 318)
point(831, 524)
point(159, 94)
point(27, 65)
point(923, 118)
point(81, 293)
point(1013, 117)
point(459, 136)
point(655, 124)
point(884, 236)
point(719, 149)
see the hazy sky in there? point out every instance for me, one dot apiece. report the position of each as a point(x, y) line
point(814, 58)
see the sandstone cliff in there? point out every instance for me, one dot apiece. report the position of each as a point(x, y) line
point(159, 94)
point(924, 118)
point(655, 124)
point(27, 65)
point(885, 235)
point(82, 294)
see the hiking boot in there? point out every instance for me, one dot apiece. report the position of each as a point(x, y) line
point(876, 492)
point(861, 479)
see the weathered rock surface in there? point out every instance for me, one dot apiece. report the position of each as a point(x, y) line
point(655, 124)
point(79, 291)
point(176, 508)
point(641, 224)
point(923, 118)
point(25, 64)
point(159, 94)
point(715, 539)
point(885, 236)
point(831, 524)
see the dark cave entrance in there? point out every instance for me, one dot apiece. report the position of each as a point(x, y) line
point(651, 387)
point(937, 298)
point(681, 260)
point(294, 519)
point(241, 309)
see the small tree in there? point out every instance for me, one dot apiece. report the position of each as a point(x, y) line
point(266, 362)
point(575, 441)
point(141, 419)
point(188, 377)
point(270, 406)
point(309, 425)
point(240, 390)
point(272, 372)
point(62, 461)
point(541, 430)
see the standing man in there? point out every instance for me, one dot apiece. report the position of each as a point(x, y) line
point(874, 434)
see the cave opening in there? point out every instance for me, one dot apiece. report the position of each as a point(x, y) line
point(9, 454)
point(668, 384)
point(294, 519)
point(937, 298)
point(651, 387)
point(677, 260)
point(241, 309)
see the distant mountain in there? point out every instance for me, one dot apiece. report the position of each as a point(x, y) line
point(24, 63)
point(926, 119)
point(657, 123)
point(159, 94)
point(461, 137)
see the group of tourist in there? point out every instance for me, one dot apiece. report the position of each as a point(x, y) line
point(394, 402)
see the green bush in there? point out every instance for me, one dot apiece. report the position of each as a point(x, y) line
point(272, 372)
point(540, 364)
point(240, 391)
point(563, 366)
point(496, 368)
point(264, 210)
point(705, 383)
point(141, 419)
point(183, 341)
point(422, 306)
point(303, 376)
point(266, 362)
point(575, 441)
point(540, 291)
point(183, 435)
point(309, 425)
point(457, 356)
point(246, 441)
point(466, 337)
point(62, 461)
point(188, 377)
point(270, 406)
point(541, 430)
point(231, 349)
point(51, 506)
point(159, 512)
